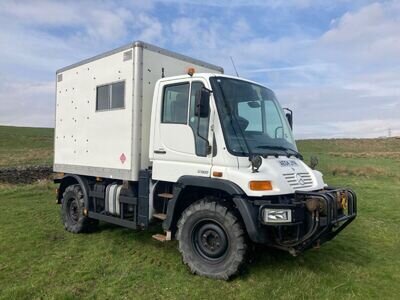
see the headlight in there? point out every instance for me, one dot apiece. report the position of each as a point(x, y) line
point(272, 215)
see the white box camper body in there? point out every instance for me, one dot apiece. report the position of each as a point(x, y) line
point(112, 143)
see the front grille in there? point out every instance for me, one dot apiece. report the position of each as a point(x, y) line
point(295, 184)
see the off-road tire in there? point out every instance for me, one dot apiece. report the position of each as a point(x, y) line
point(204, 219)
point(72, 211)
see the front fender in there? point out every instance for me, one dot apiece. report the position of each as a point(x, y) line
point(247, 211)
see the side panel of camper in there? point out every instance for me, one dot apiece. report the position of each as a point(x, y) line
point(93, 134)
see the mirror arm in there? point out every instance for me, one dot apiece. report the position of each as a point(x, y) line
point(289, 110)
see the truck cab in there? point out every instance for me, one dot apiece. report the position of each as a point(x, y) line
point(231, 137)
point(242, 121)
point(211, 157)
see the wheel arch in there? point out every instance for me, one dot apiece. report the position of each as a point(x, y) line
point(189, 189)
point(70, 179)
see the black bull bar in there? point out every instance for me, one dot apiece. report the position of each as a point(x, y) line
point(330, 211)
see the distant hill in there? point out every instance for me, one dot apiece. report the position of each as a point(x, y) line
point(21, 146)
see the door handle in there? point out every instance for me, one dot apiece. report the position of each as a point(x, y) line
point(160, 152)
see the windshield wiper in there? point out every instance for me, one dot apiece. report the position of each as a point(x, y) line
point(294, 152)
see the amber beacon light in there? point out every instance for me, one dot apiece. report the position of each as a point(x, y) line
point(191, 71)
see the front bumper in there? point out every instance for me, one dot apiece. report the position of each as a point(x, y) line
point(317, 217)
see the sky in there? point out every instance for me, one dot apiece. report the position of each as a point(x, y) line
point(336, 64)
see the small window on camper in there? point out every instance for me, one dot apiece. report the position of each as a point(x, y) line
point(103, 97)
point(175, 104)
point(110, 96)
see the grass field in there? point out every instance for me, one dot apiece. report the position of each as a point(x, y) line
point(20, 146)
point(38, 259)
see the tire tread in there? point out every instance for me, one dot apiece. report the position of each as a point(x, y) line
point(231, 219)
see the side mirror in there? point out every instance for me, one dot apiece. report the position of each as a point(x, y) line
point(202, 100)
point(289, 117)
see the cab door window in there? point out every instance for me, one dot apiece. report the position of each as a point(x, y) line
point(175, 104)
point(199, 125)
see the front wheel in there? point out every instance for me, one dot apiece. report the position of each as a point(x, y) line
point(211, 239)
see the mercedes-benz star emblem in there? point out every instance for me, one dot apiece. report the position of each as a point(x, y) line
point(299, 179)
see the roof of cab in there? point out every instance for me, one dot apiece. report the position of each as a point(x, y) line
point(207, 76)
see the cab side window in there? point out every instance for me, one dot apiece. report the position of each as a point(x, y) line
point(175, 104)
point(201, 144)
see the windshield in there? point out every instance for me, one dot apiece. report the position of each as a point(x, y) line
point(252, 120)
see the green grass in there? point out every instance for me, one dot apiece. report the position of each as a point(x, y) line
point(21, 146)
point(38, 259)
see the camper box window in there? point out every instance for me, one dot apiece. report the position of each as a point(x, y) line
point(110, 96)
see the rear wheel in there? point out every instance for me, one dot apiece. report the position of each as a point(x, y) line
point(211, 239)
point(72, 211)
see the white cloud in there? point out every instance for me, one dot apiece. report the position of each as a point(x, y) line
point(370, 35)
point(152, 29)
point(27, 103)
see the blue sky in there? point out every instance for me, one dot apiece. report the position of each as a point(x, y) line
point(336, 63)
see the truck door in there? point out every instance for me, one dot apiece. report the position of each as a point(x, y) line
point(177, 148)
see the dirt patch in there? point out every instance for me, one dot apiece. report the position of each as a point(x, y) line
point(25, 175)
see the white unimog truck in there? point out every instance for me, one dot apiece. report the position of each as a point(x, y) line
point(144, 134)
